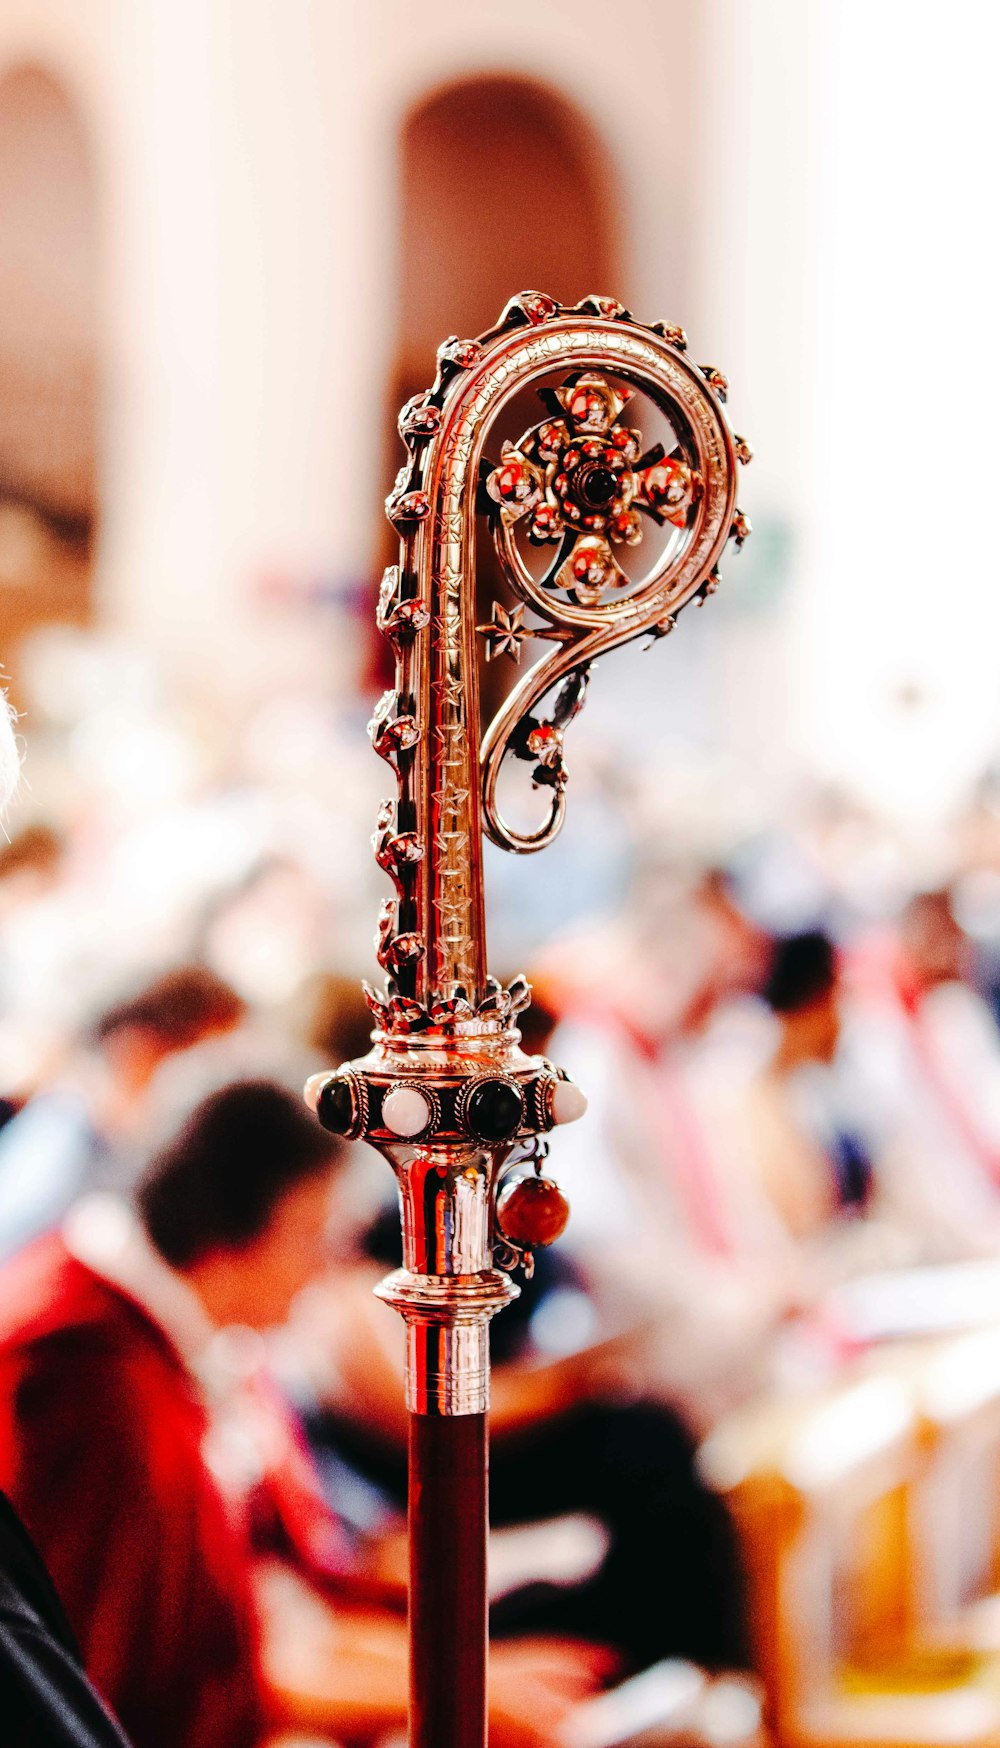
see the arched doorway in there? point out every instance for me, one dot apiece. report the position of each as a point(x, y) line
point(504, 185)
point(48, 356)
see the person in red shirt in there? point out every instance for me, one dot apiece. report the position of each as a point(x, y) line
point(45, 1697)
point(147, 1478)
point(103, 1457)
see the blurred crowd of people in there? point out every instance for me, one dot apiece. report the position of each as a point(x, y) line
point(794, 1083)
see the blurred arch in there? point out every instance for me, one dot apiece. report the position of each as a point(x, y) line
point(48, 353)
point(505, 184)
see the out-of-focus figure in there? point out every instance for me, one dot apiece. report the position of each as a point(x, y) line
point(668, 1226)
point(806, 1132)
point(44, 1693)
point(164, 1480)
point(931, 1057)
point(801, 1128)
point(85, 1131)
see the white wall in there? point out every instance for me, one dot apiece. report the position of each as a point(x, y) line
point(900, 618)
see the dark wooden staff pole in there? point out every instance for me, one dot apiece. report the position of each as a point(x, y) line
point(448, 1619)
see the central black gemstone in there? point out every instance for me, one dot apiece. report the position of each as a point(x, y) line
point(335, 1105)
point(495, 1110)
point(598, 486)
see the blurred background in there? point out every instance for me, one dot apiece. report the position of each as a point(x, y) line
point(232, 235)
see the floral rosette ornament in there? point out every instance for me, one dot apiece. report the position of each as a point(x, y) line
point(581, 478)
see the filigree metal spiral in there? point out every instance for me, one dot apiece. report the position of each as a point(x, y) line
point(580, 480)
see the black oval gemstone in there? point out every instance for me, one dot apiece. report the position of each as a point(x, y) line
point(496, 1109)
point(598, 486)
point(335, 1105)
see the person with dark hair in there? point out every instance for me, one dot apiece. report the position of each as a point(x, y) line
point(105, 1427)
point(339, 1026)
point(811, 1152)
point(46, 1700)
point(83, 1132)
point(173, 1012)
point(215, 1186)
point(802, 974)
point(158, 1470)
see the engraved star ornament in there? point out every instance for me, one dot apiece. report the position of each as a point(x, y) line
point(505, 632)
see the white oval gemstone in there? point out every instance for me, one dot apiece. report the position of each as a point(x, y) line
point(568, 1102)
point(405, 1111)
point(314, 1086)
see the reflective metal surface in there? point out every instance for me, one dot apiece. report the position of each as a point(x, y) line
point(446, 1093)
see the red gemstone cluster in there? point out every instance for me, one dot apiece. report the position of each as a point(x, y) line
point(584, 474)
